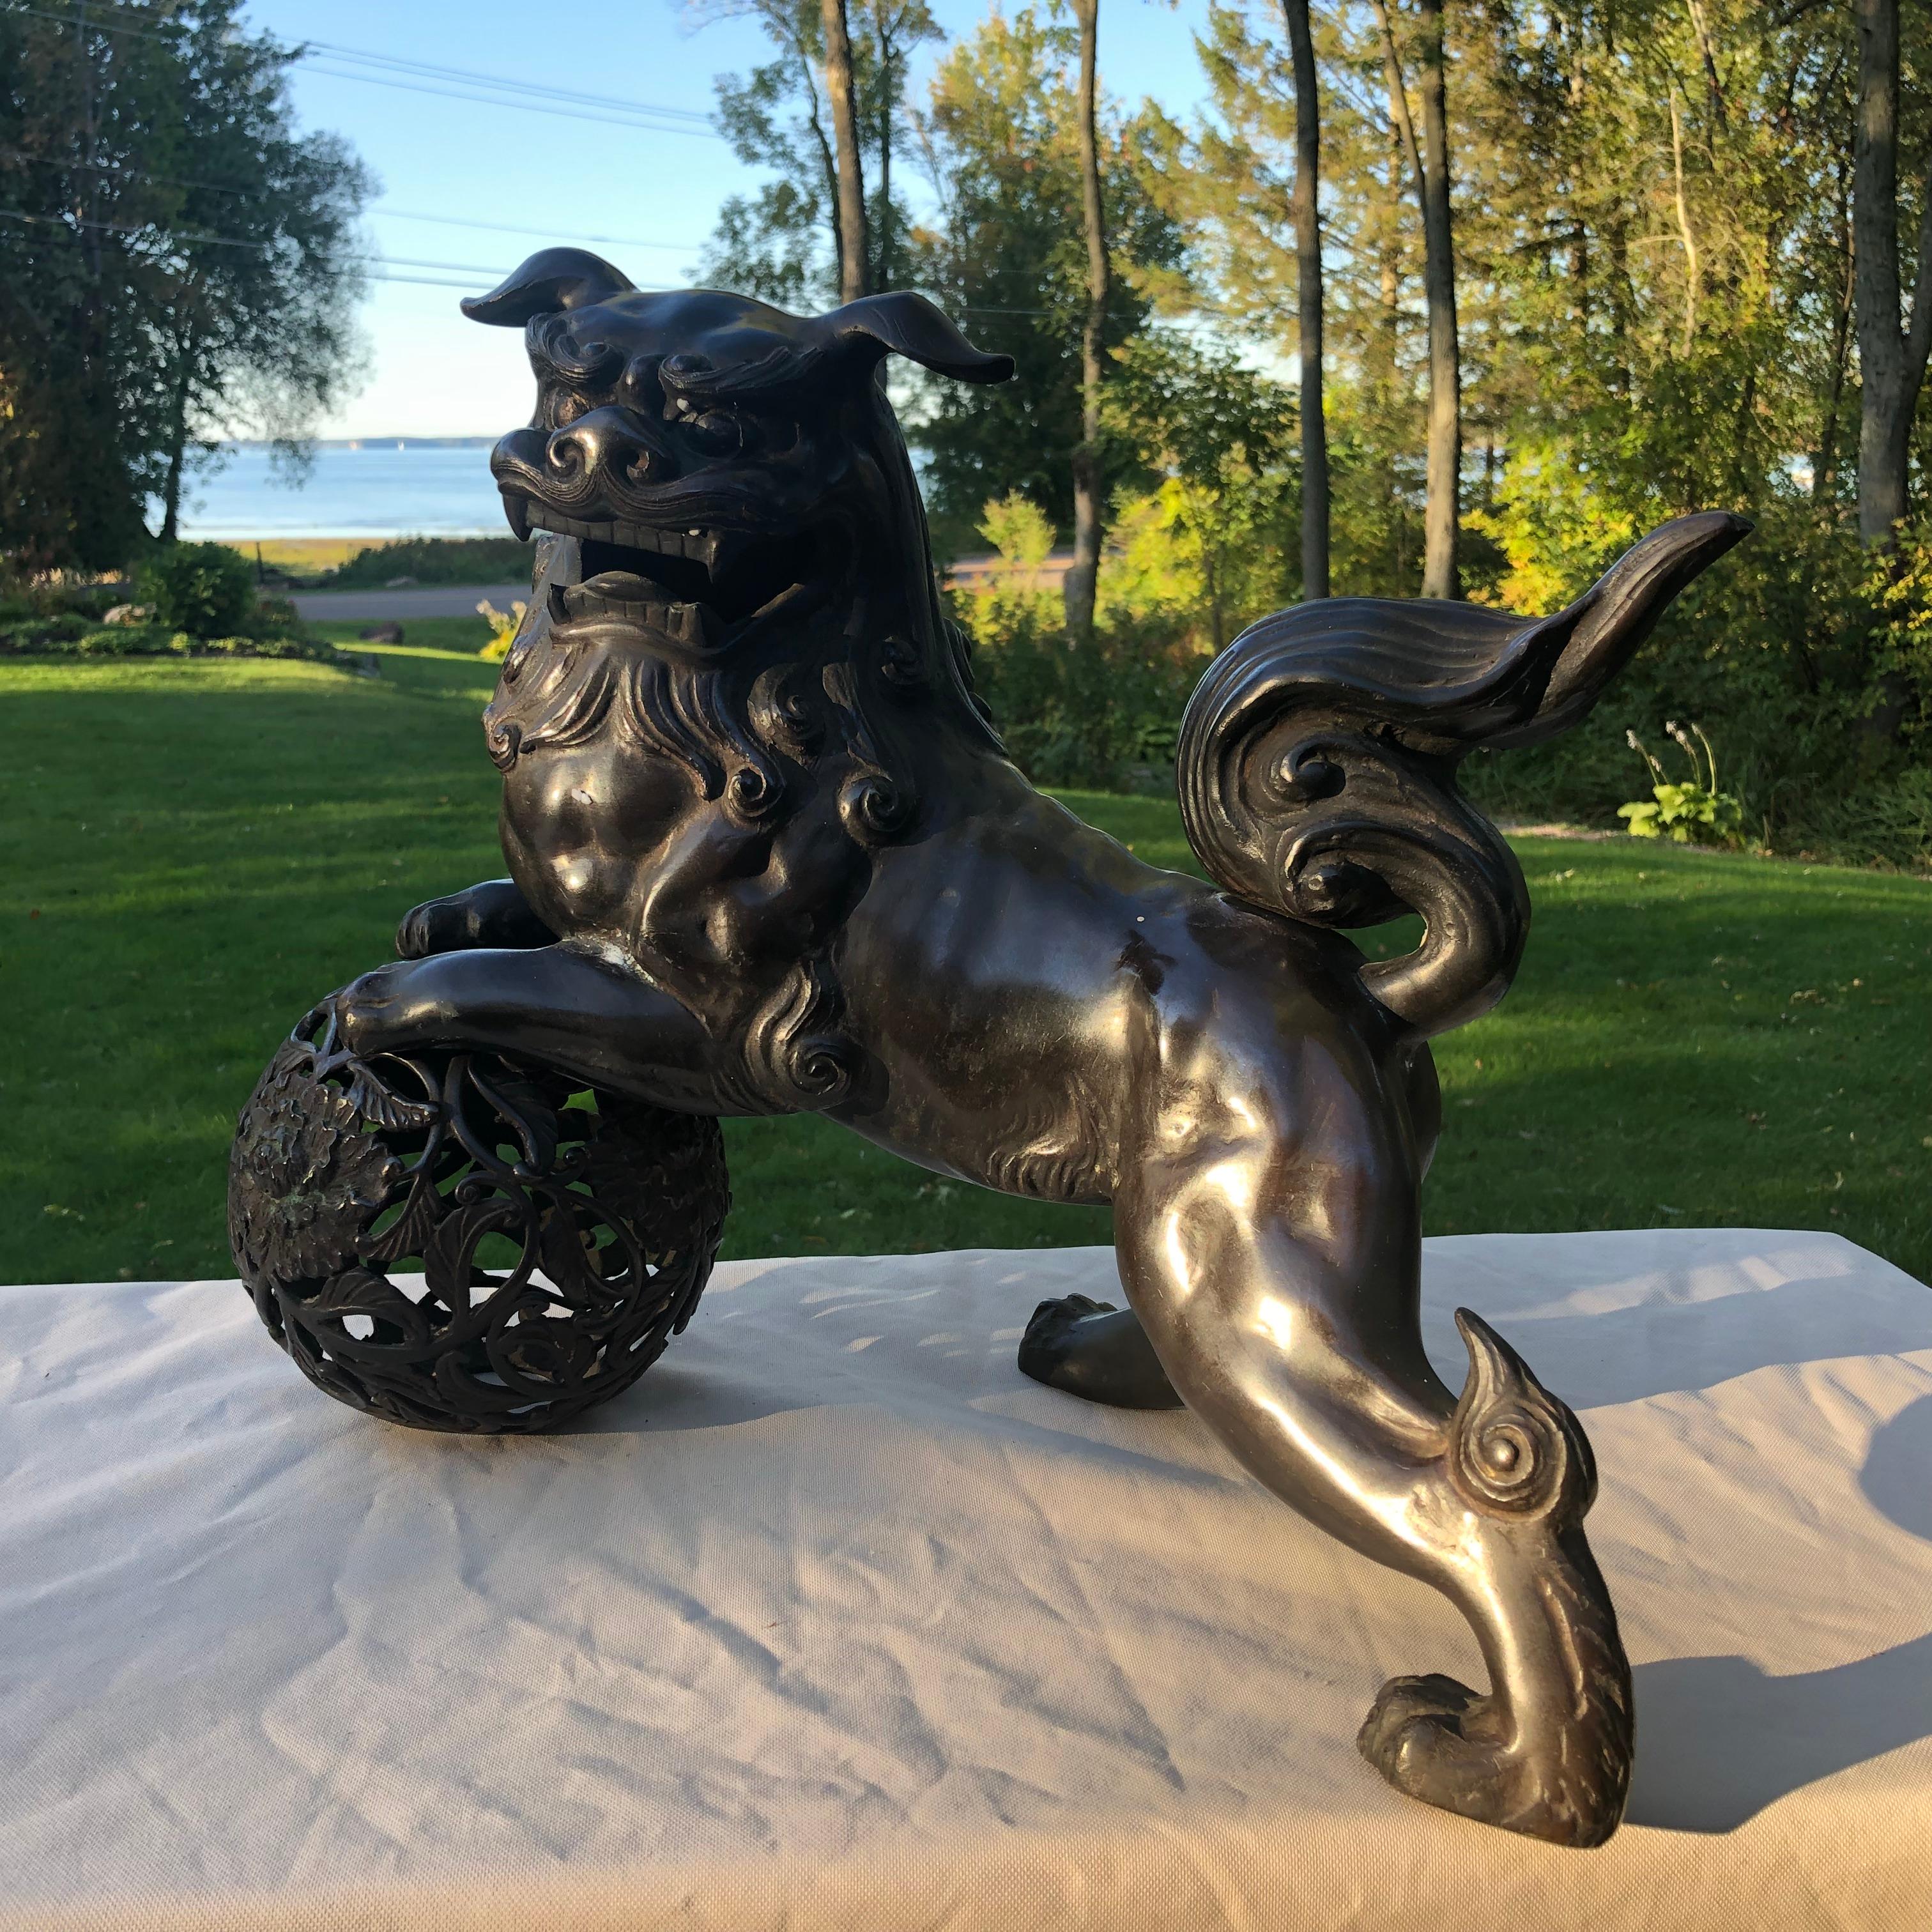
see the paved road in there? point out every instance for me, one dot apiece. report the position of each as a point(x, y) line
point(423, 600)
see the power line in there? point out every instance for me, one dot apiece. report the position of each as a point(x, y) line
point(516, 83)
point(542, 234)
point(363, 264)
point(112, 168)
point(386, 214)
point(618, 109)
point(622, 119)
point(374, 272)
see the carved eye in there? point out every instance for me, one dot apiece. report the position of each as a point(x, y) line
point(717, 432)
point(569, 408)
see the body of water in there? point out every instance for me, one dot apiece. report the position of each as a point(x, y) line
point(387, 489)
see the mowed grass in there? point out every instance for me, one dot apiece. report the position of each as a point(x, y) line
point(196, 851)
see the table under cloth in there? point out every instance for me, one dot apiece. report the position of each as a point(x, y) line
point(836, 1620)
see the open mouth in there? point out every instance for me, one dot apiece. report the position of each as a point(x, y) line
point(697, 584)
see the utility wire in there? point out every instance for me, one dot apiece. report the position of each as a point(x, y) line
point(618, 109)
point(625, 119)
point(544, 234)
point(516, 83)
point(378, 212)
point(371, 264)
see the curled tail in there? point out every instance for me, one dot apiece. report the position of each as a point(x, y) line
point(1317, 761)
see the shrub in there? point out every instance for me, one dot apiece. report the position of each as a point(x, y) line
point(205, 589)
point(24, 633)
point(1688, 811)
point(1815, 654)
point(61, 600)
point(75, 637)
point(436, 560)
point(504, 626)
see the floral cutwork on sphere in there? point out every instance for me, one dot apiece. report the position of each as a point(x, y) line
point(560, 1245)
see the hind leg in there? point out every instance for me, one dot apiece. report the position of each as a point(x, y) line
point(1276, 1270)
point(1092, 1349)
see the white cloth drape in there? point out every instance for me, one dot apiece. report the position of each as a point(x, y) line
point(837, 1620)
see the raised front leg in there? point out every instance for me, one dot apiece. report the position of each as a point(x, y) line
point(1270, 1247)
point(561, 1005)
point(493, 914)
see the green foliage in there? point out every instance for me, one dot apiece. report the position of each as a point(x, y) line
point(72, 637)
point(49, 597)
point(1215, 545)
point(1104, 713)
point(1687, 811)
point(181, 268)
point(780, 242)
point(434, 560)
point(205, 589)
point(1008, 259)
point(247, 834)
point(504, 626)
point(1809, 649)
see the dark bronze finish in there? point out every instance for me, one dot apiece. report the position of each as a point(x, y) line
point(766, 857)
point(605, 1220)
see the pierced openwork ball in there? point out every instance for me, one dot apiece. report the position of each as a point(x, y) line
point(455, 1242)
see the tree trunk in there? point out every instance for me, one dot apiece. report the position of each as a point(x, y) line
point(1825, 470)
point(1707, 49)
point(1441, 514)
point(887, 270)
point(845, 136)
point(1891, 353)
point(1083, 574)
point(1442, 517)
point(177, 446)
point(1685, 231)
point(1308, 261)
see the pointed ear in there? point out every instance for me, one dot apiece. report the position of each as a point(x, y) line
point(905, 324)
point(552, 279)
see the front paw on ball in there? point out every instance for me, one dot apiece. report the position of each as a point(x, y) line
point(378, 1013)
point(436, 925)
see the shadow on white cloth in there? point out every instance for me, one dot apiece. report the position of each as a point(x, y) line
point(836, 1621)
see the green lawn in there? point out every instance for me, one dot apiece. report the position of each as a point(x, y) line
point(197, 850)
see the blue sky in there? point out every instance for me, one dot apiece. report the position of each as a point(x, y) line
point(432, 374)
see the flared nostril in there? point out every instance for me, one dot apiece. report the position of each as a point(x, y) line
point(607, 440)
point(521, 449)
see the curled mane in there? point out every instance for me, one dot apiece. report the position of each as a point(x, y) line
point(806, 743)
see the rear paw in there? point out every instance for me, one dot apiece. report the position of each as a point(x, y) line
point(1438, 1740)
point(1092, 1349)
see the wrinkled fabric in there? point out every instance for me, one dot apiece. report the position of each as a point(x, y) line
point(836, 1621)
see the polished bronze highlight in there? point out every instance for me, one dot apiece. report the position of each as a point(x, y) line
point(766, 854)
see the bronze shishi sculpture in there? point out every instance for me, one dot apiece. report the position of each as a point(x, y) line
point(767, 857)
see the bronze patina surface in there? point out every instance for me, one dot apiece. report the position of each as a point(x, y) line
point(765, 856)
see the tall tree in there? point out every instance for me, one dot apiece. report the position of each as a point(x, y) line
point(892, 29)
point(182, 268)
point(840, 97)
point(1083, 574)
point(786, 241)
point(259, 327)
point(1443, 515)
point(1308, 262)
point(1005, 254)
point(1892, 347)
